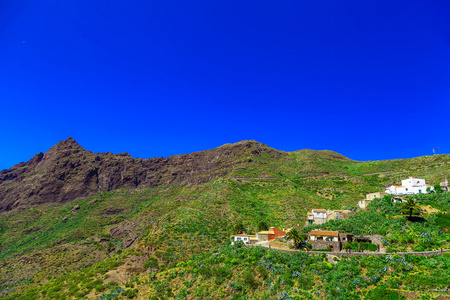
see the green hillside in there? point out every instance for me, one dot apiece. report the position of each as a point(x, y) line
point(171, 241)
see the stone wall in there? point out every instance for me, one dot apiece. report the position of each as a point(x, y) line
point(321, 245)
point(262, 237)
point(425, 253)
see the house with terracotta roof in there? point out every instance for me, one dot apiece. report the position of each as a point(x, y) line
point(322, 239)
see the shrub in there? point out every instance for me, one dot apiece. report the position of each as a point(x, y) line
point(152, 262)
point(249, 279)
point(381, 292)
point(264, 273)
point(130, 293)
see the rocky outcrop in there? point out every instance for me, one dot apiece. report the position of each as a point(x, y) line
point(67, 171)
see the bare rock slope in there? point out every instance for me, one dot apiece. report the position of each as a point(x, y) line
point(67, 171)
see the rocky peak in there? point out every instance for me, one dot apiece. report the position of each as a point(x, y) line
point(68, 144)
point(67, 171)
point(66, 148)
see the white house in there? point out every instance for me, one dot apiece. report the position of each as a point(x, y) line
point(245, 238)
point(409, 186)
point(316, 216)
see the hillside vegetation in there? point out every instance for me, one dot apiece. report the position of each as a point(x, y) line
point(169, 238)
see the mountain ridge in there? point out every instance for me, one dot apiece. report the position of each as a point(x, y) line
point(67, 171)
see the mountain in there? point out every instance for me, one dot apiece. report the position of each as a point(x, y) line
point(76, 224)
point(67, 171)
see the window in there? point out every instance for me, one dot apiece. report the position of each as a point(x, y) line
point(238, 238)
point(406, 188)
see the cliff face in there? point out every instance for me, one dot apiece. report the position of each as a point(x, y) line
point(67, 171)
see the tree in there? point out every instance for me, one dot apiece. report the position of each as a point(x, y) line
point(410, 205)
point(348, 246)
point(296, 236)
point(438, 188)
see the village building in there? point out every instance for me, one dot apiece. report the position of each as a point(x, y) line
point(338, 214)
point(270, 235)
point(245, 238)
point(323, 239)
point(369, 197)
point(444, 185)
point(372, 196)
point(410, 186)
point(320, 216)
point(316, 217)
point(346, 238)
point(262, 236)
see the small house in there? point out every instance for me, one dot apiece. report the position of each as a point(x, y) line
point(338, 214)
point(322, 239)
point(316, 216)
point(369, 197)
point(245, 238)
point(372, 196)
point(270, 235)
point(444, 185)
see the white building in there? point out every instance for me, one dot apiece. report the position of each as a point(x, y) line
point(316, 216)
point(245, 238)
point(409, 186)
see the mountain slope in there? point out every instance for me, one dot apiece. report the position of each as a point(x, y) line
point(67, 172)
point(72, 227)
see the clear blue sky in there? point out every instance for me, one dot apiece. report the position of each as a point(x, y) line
point(368, 79)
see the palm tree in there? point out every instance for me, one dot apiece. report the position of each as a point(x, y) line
point(296, 236)
point(411, 205)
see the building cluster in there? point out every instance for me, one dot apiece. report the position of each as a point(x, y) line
point(333, 240)
point(262, 236)
point(410, 186)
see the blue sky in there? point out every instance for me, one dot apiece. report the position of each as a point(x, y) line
point(368, 79)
